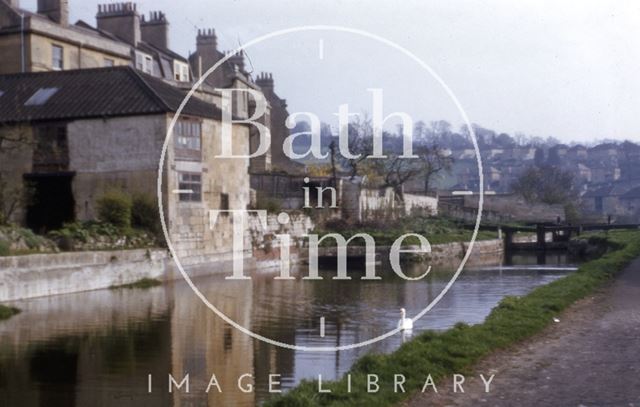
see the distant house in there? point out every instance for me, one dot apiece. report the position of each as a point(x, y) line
point(603, 152)
point(581, 173)
point(605, 199)
point(602, 172)
point(577, 153)
point(89, 131)
point(492, 178)
point(630, 201)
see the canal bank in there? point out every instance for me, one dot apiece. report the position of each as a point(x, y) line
point(457, 350)
point(114, 339)
point(590, 357)
point(39, 275)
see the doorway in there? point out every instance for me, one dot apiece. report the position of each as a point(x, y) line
point(52, 204)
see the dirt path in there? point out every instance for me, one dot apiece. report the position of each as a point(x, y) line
point(590, 358)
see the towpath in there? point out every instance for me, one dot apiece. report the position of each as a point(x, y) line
point(590, 358)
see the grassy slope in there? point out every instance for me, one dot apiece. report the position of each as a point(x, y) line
point(456, 350)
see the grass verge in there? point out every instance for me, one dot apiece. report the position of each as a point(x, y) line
point(7, 312)
point(441, 354)
point(140, 284)
point(385, 233)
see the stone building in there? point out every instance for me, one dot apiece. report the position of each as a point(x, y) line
point(230, 74)
point(280, 162)
point(85, 132)
point(47, 41)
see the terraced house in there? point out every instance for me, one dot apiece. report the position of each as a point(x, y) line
point(85, 109)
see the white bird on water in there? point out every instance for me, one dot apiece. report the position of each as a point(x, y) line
point(405, 324)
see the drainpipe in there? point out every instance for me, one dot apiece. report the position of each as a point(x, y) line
point(22, 42)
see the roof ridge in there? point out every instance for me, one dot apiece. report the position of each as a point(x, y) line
point(148, 89)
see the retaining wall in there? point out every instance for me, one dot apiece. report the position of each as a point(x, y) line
point(62, 273)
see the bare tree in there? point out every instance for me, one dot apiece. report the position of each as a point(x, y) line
point(360, 144)
point(397, 171)
point(434, 160)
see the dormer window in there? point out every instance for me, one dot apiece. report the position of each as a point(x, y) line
point(180, 71)
point(144, 62)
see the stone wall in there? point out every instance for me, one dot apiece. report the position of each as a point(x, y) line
point(500, 208)
point(194, 239)
point(360, 204)
point(420, 204)
point(14, 162)
point(449, 255)
point(63, 273)
point(52, 274)
point(119, 153)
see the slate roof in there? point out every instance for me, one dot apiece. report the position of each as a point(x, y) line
point(94, 93)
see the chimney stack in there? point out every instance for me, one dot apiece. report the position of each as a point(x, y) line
point(155, 30)
point(56, 10)
point(265, 81)
point(121, 20)
point(237, 60)
point(207, 48)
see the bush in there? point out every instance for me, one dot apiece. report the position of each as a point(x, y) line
point(115, 207)
point(144, 214)
point(5, 250)
point(7, 312)
point(270, 205)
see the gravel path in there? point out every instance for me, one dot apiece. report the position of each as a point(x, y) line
point(590, 358)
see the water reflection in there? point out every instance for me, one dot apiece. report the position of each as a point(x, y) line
point(97, 348)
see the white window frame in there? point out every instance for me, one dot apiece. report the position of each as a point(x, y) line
point(57, 64)
point(144, 62)
point(187, 182)
point(180, 71)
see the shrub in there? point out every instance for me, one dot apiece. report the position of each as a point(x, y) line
point(115, 207)
point(4, 248)
point(7, 312)
point(144, 213)
point(270, 205)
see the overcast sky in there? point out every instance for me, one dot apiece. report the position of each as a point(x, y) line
point(569, 69)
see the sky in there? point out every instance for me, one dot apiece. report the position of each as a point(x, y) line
point(567, 69)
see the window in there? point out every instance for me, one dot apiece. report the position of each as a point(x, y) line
point(188, 139)
point(190, 186)
point(599, 204)
point(51, 152)
point(57, 57)
point(41, 96)
point(144, 62)
point(224, 202)
point(181, 71)
point(108, 63)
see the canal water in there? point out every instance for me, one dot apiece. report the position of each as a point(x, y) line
point(98, 348)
